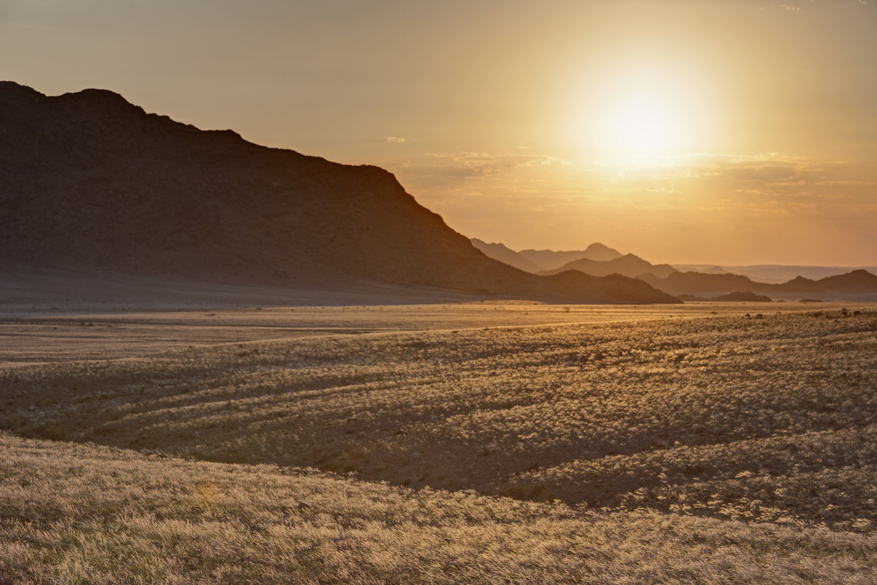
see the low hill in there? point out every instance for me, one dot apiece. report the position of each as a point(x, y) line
point(551, 259)
point(743, 297)
point(735, 297)
point(505, 255)
point(860, 281)
point(627, 265)
point(697, 282)
point(93, 183)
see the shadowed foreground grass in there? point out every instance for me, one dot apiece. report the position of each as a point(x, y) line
point(77, 514)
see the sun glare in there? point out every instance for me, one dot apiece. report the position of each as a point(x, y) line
point(642, 127)
point(641, 113)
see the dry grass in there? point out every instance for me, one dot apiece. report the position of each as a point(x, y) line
point(86, 514)
point(664, 445)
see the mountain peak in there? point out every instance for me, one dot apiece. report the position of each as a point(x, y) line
point(91, 182)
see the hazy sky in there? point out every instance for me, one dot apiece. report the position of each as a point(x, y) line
point(709, 131)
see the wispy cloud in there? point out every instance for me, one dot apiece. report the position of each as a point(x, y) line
point(789, 7)
point(396, 139)
point(481, 164)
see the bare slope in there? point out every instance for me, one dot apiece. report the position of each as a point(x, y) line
point(93, 182)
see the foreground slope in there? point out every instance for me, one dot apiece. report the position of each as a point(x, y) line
point(89, 515)
point(93, 183)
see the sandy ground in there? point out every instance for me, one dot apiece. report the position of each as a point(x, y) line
point(61, 316)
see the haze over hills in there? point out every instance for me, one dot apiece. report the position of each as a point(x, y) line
point(506, 256)
point(627, 265)
point(91, 182)
point(551, 259)
point(855, 285)
point(735, 297)
point(774, 273)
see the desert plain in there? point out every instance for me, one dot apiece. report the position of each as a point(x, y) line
point(438, 440)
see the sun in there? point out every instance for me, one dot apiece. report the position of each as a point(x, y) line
point(643, 113)
point(642, 126)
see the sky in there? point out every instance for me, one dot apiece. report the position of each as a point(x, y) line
point(690, 131)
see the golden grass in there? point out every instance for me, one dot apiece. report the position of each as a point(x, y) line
point(78, 514)
point(637, 451)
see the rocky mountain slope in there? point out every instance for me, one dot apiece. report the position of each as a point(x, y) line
point(91, 182)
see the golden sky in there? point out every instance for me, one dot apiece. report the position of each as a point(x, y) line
point(697, 131)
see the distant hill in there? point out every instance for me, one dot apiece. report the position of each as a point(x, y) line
point(696, 282)
point(735, 297)
point(774, 273)
point(627, 265)
point(857, 281)
point(743, 297)
point(855, 285)
point(551, 260)
point(505, 255)
point(92, 183)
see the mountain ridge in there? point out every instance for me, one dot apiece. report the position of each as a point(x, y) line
point(553, 259)
point(628, 265)
point(856, 282)
point(90, 181)
point(506, 255)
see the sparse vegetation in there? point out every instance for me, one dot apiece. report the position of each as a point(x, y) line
point(715, 449)
point(86, 514)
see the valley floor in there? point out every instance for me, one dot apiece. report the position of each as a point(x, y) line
point(478, 442)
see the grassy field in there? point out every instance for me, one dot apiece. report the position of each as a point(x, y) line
point(468, 443)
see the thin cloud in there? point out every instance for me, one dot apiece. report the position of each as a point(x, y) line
point(481, 164)
point(396, 139)
point(789, 7)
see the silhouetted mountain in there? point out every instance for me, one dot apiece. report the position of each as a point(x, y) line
point(696, 282)
point(90, 182)
point(857, 281)
point(627, 265)
point(856, 284)
point(774, 273)
point(551, 260)
point(505, 255)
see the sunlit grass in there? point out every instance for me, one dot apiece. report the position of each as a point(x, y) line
point(648, 431)
point(84, 514)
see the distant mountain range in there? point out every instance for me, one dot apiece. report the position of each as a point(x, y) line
point(713, 281)
point(506, 256)
point(855, 284)
point(627, 265)
point(92, 183)
point(774, 273)
point(551, 260)
point(537, 261)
